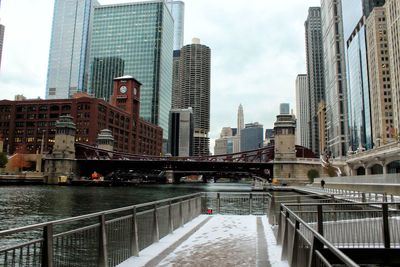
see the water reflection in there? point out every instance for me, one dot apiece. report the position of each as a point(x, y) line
point(25, 205)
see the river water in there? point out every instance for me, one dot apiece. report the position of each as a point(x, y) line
point(26, 205)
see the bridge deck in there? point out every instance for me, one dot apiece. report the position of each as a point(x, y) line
point(220, 240)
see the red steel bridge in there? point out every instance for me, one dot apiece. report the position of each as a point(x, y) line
point(255, 162)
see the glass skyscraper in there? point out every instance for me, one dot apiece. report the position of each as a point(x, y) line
point(177, 9)
point(69, 48)
point(138, 38)
point(360, 128)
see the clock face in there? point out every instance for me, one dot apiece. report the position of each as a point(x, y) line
point(123, 89)
point(134, 91)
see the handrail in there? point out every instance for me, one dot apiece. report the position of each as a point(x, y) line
point(346, 260)
point(92, 215)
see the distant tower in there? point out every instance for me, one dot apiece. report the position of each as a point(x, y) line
point(251, 137)
point(315, 75)
point(284, 108)
point(302, 111)
point(69, 48)
point(240, 119)
point(177, 9)
point(240, 126)
point(195, 67)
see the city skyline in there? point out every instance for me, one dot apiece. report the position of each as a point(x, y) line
point(243, 69)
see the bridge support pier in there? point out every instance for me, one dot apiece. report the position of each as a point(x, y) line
point(56, 168)
point(169, 176)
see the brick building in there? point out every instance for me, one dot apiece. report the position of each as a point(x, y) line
point(27, 122)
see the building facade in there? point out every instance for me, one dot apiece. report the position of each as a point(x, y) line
point(139, 38)
point(359, 110)
point(322, 127)
point(194, 91)
point(393, 29)
point(177, 9)
point(181, 132)
point(251, 137)
point(26, 123)
point(303, 136)
point(335, 77)
point(379, 73)
point(69, 48)
point(315, 73)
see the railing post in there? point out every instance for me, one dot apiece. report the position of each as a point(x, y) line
point(181, 211)
point(285, 237)
point(170, 220)
point(271, 210)
point(190, 209)
point(134, 237)
point(103, 257)
point(320, 220)
point(47, 249)
point(363, 197)
point(385, 225)
point(156, 230)
point(316, 245)
point(251, 204)
point(218, 204)
point(295, 241)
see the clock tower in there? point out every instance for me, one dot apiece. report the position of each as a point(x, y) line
point(126, 95)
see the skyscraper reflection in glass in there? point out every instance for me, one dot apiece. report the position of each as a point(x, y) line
point(140, 36)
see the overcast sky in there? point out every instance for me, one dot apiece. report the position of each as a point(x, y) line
point(257, 50)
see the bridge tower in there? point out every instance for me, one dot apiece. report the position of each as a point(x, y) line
point(60, 163)
point(285, 130)
point(105, 140)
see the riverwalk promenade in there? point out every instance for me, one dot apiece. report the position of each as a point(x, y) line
point(216, 240)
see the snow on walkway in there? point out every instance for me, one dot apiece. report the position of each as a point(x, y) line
point(222, 241)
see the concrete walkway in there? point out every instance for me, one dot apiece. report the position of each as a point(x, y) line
point(219, 240)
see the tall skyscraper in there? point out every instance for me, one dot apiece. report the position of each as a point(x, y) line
point(181, 132)
point(2, 30)
point(176, 80)
point(195, 65)
point(240, 126)
point(360, 130)
point(69, 48)
point(315, 74)
point(302, 111)
point(251, 137)
point(135, 39)
point(240, 119)
point(393, 30)
point(335, 77)
point(379, 74)
point(177, 9)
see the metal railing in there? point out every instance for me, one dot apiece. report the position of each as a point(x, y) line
point(236, 203)
point(324, 234)
point(98, 239)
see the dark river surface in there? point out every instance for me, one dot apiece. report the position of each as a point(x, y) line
point(26, 205)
